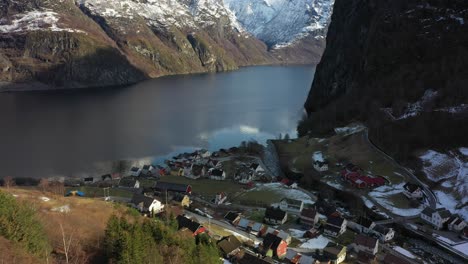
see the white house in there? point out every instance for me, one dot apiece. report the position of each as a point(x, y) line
point(218, 174)
point(456, 223)
point(291, 205)
point(257, 168)
point(135, 171)
point(412, 191)
point(309, 216)
point(335, 226)
point(147, 204)
point(384, 234)
point(362, 225)
point(205, 153)
point(436, 218)
point(365, 243)
point(321, 166)
point(275, 216)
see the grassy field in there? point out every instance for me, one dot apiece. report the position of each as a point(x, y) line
point(258, 197)
point(206, 186)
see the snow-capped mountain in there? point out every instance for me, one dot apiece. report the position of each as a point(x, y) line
point(151, 38)
point(281, 22)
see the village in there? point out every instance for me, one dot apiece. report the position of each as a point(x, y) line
point(259, 216)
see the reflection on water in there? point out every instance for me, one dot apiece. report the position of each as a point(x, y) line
point(65, 132)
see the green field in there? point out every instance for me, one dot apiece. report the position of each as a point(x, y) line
point(206, 187)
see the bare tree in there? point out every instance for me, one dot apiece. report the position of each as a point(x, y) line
point(8, 182)
point(66, 243)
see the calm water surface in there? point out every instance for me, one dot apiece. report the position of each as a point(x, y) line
point(66, 132)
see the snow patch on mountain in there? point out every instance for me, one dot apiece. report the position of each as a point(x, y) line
point(282, 22)
point(33, 21)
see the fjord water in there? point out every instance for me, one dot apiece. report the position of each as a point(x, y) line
point(66, 132)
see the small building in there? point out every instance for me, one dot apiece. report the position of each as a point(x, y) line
point(229, 246)
point(146, 204)
point(220, 198)
point(456, 223)
point(89, 180)
point(384, 234)
point(129, 183)
point(249, 258)
point(309, 217)
point(173, 187)
point(321, 166)
point(412, 191)
point(188, 224)
point(275, 216)
point(135, 171)
point(335, 226)
point(257, 168)
point(274, 246)
point(181, 199)
point(365, 243)
point(232, 217)
point(147, 169)
point(244, 224)
point(294, 257)
point(291, 205)
point(437, 218)
point(335, 253)
point(218, 175)
point(256, 229)
point(106, 177)
point(362, 225)
point(197, 171)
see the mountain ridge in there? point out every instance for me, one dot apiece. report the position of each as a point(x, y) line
point(94, 43)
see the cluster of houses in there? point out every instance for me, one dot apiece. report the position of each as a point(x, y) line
point(355, 176)
point(364, 225)
point(441, 218)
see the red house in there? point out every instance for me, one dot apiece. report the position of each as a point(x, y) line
point(274, 246)
point(188, 224)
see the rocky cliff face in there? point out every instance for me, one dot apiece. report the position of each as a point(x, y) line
point(402, 67)
point(82, 43)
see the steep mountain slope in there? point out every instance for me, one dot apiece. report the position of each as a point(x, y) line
point(104, 43)
point(400, 66)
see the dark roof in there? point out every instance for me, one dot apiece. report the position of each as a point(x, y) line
point(364, 257)
point(428, 211)
point(106, 176)
point(364, 221)
point(382, 229)
point(275, 213)
point(197, 169)
point(332, 250)
point(134, 169)
point(335, 220)
point(254, 166)
point(185, 222)
point(271, 242)
point(168, 186)
point(178, 197)
point(334, 229)
point(217, 172)
point(88, 179)
point(309, 212)
point(139, 198)
point(251, 259)
point(127, 182)
point(365, 241)
point(444, 213)
point(231, 216)
point(229, 244)
point(146, 167)
point(392, 259)
point(411, 187)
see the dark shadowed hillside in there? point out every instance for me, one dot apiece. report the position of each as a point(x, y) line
point(402, 67)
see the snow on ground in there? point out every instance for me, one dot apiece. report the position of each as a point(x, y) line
point(319, 242)
point(382, 195)
point(444, 239)
point(454, 109)
point(318, 156)
point(44, 199)
point(298, 234)
point(285, 192)
point(369, 204)
point(404, 252)
point(449, 202)
point(335, 185)
point(462, 248)
point(464, 151)
point(415, 108)
point(438, 166)
point(351, 129)
point(33, 21)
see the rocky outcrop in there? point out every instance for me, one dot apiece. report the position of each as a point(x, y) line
point(401, 66)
